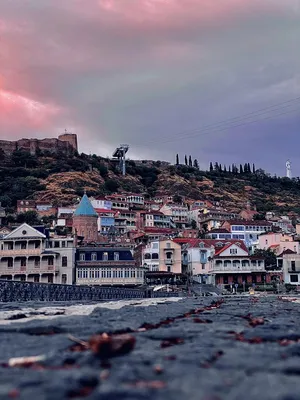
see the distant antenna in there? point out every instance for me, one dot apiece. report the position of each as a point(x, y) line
point(120, 154)
point(288, 169)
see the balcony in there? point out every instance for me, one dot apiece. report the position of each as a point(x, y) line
point(44, 269)
point(20, 252)
point(236, 268)
point(169, 261)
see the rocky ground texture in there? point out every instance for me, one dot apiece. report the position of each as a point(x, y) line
point(196, 349)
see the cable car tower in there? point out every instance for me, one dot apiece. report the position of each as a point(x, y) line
point(120, 154)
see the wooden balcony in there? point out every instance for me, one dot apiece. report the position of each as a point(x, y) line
point(47, 269)
point(103, 263)
point(20, 252)
point(109, 281)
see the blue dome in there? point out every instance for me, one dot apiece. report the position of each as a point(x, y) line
point(85, 208)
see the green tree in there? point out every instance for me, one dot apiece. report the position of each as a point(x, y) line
point(196, 165)
point(269, 256)
point(190, 161)
point(211, 168)
point(185, 160)
point(177, 199)
point(241, 169)
point(111, 185)
point(177, 159)
point(29, 217)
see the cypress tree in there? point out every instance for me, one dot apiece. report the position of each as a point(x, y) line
point(241, 169)
point(190, 161)
point(177, 159)
point(185, 160)
point(196, 165)
point(253, 169)
point(211, 168)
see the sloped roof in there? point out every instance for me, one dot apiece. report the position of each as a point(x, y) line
point(287, 251)
point(85, 208)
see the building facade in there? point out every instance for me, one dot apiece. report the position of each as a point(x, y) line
point(85, 221)
point(107, 266)
point(26, 254)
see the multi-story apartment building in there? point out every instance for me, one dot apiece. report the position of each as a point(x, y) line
point(178, 214)
point(26, 205)
point(107, 266)
point(100, 203)
point(125, 221)
point(289, 263)
point(118, 201)
point(106, 219)
point(278, 242)
point(232, 264)
point(163, 256)
point(219, 234)
point(26, 254)
point(135, 200)
point(154, 219)
point(212, 218)
point(248, 231)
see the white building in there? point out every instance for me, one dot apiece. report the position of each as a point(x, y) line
point(26, 254)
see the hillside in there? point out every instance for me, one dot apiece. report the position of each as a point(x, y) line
point(61, 180)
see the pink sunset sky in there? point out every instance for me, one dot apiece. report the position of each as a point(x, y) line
point(143, 71)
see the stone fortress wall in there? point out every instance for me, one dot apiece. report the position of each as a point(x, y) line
point(65, 143)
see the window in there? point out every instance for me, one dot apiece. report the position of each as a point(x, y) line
point(50, 261)
point(105, 256)
point(116, 256)
point(50, 278)
point(56, 244)
point(233, 251)
point(64, 261)
point(155, 256)
point(294, 278)
point(147, 256)
point(64, 279)
point(120, 273)
point(36, 278)
point(114, 273)
point(23, 262)
point(10, 263)
point(109, 273)
point(63, 244)
point(23, 245)
point(103, 273)
point(79, 274)
point(293, 265)
point(154, 245)
point(82, 257)
point(94, 257)
point(92, 273)
point(168, 245)
point(36, 262)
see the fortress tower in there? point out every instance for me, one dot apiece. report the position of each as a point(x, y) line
point(71, 138)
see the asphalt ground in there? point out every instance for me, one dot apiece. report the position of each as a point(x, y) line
point(193, 349)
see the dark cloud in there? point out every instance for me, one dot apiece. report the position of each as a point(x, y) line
point(154, 73)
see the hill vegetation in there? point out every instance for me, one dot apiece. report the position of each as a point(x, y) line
point(62, 180)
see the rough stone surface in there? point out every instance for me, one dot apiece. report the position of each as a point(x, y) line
point(244, 348)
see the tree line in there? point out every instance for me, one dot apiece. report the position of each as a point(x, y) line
point(188, 161)
point(242, 169)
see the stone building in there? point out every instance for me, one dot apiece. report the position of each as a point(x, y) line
point(85, 221)
point(65, 143)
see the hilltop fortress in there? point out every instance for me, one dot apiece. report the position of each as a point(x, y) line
point(65, 143)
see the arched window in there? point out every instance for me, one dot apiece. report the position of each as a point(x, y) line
point(116, 256)
point(82, 257)
point(154, 256)
point(94, 256)
point(147, 256)
point(105, 256)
